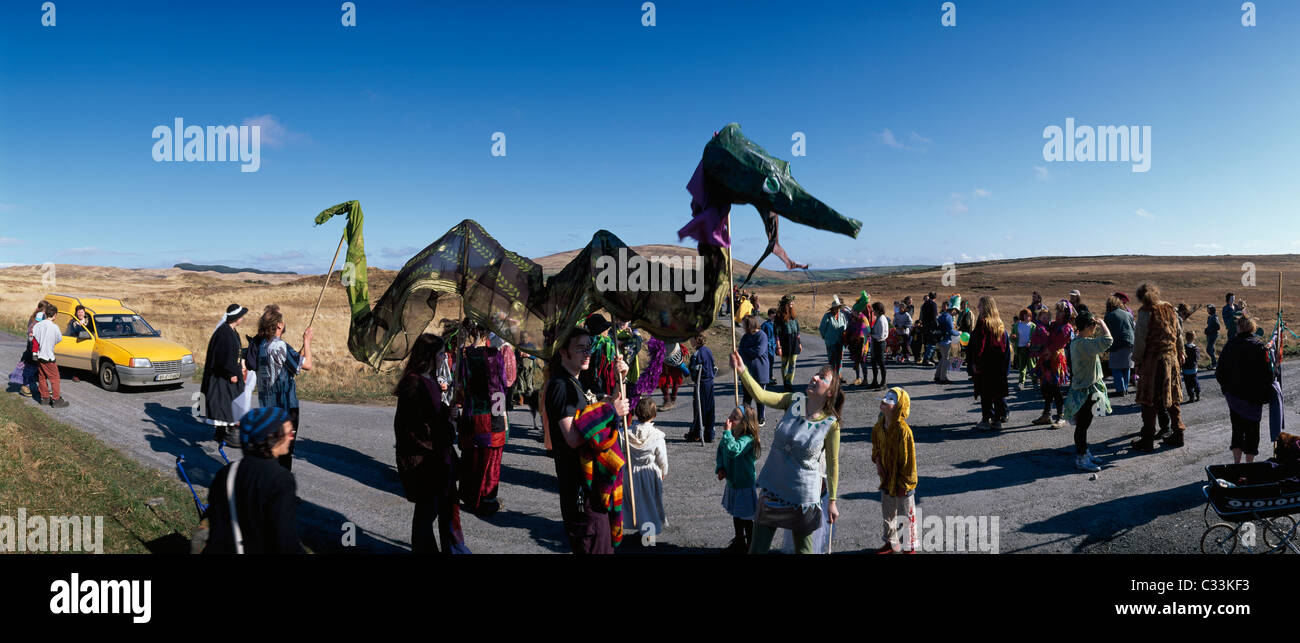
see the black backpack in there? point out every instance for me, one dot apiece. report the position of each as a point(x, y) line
point(250, 353)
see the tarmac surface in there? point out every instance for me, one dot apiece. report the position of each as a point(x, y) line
point(1023, 475)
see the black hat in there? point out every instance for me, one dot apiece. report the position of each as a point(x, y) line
point(596, 324)
point(234, 311)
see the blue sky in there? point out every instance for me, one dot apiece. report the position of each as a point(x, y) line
point(931, 135)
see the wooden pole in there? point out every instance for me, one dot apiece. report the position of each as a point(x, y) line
point(627, 454)
point(731, 289)
point(327, 278)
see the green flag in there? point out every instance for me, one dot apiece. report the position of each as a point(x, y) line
point(353, 275)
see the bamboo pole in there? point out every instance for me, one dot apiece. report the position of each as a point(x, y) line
point(328, 273)
point(731, 323)
point(622, 393)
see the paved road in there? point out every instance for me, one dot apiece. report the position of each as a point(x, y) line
point(1023, 475)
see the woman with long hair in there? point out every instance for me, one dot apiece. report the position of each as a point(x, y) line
point(427, 461)
point(990, 356)
point(277, 365)
point(790, 482)
point(480, 383)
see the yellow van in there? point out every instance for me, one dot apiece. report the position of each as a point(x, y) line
point(117, 344)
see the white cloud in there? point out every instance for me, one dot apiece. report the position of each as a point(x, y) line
point(887, 137)
point(957, 203)
point(957, 200)
point(993, 256)
point(1144, 214)
point(273, 132)
point(9, 241)
point(1041, 173)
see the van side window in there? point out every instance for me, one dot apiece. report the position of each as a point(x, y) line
point(70, 326)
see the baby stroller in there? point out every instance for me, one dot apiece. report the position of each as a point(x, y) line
point(1257, 502)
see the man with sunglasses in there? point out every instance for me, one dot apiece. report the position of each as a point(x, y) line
point(587, 527)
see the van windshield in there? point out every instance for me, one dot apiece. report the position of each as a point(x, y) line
point(117, 326)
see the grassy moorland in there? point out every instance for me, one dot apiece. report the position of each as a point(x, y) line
point(186, 305)
point(51, 469)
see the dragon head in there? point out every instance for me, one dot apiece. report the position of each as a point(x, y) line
point(746, 173)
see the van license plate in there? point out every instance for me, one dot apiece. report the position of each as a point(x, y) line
point(166, 376)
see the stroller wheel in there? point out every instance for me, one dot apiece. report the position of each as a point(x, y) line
point(1275, 530)
point(1219, 539)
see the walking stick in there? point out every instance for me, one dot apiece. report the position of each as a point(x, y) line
point(699, 408)
point(328, 273)
point(622, 393)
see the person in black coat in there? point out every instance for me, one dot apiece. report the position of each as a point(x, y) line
point(223, 375)
point(1246, 377)
point(929, 327)
point(266, 501)
point(427, 461)
point(989, 349)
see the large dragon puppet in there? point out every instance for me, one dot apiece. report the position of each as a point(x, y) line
point(508, 293)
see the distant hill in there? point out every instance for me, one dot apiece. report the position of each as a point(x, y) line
point(552, 264)
point(228, 269)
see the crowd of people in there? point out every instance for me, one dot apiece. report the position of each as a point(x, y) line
point(453, 396)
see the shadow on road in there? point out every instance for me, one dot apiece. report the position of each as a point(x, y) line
point(349, 463)
point(183, 434)
point(1008, 471)
point(1105, 521)
point(322, 530)
point(539, 480)
point(544, 531)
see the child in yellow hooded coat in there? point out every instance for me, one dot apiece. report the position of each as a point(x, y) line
point(894, 453)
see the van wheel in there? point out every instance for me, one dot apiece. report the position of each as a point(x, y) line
point(108, 376)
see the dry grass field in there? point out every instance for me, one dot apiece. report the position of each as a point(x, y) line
point(185, 305)
point(1190, 280)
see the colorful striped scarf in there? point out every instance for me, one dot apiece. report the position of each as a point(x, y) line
point(601, 458)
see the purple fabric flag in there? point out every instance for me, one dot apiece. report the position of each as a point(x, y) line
point(709, 222)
